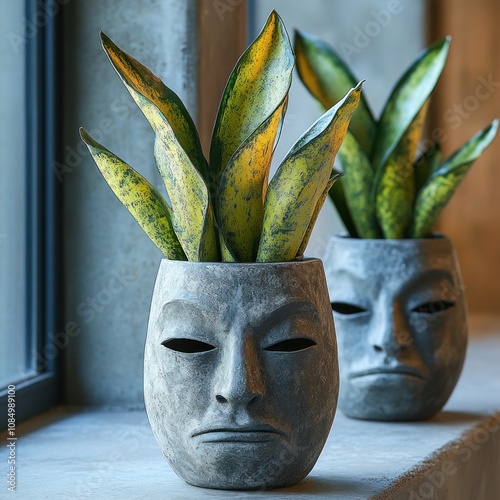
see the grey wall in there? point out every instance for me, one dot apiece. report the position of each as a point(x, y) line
point(379, 39)
point(110, 264)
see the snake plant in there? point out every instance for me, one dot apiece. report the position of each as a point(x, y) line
point(226, 209)
point(390, 189)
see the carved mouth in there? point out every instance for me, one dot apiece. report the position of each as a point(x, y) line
point(254, 434)
point(396, 370)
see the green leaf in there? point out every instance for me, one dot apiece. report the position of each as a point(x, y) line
point(317, 210)
point(300, 181)
point(440, 187)
point(256, 87)
point(328, 78)
point(139, 80)
point(357, 183)
point(226, 253)
point(337, 195)
point(407, 99)
point(192, 217)
point(427, 163)
point(395, 186)
point(243, 186)
point(141, 199)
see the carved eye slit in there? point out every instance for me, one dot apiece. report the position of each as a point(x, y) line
point(291, 345)
point(346, 308)
point(433, 307)
point(187, 345)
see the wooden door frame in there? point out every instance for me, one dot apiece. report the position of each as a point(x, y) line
point(466, 99)
point(222, 38)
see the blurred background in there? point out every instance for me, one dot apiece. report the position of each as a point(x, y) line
point(76, 272)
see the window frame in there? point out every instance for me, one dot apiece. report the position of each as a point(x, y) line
point(43, 298)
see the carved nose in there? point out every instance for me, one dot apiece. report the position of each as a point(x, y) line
point(390, 336)
point(240, 379)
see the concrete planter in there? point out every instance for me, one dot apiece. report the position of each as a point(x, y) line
point(240, 371)
point(400, 315)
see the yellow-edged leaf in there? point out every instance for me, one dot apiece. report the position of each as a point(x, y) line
point(358, 184)
point(141, 199)
point(243, 186)
point(256, 87)
point(407, 99)
point(139, 80)
point(300, 182)
point(338, 197)
point(226, 254)
point(441, 185)
point(427, 164)
point(395, 186)
point(192, 213)
point(314, 218)
point(328, 78)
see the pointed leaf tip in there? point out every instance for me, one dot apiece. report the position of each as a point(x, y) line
point(106, 41)
point(257, 85)
point(407, 99)
point(88, 139)
point(328, 78)
point(301, 184)
point(148, 90)
point(439, 188)
point(83, 134)
point(141, 199)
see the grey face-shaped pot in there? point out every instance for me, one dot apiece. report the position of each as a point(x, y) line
point(240, 371)
point(400, 316)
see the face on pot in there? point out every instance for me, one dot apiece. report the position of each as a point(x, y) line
point(400, 321)
point(229, 369)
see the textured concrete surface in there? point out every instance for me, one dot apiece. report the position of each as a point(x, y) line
point(397, 362)
point(230, 405)
point(454, 456)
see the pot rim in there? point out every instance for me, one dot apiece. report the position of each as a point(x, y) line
point(435, 237)
point(437, 244)
point(287, 263)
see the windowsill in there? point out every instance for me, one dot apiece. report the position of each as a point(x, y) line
point(67, 453)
